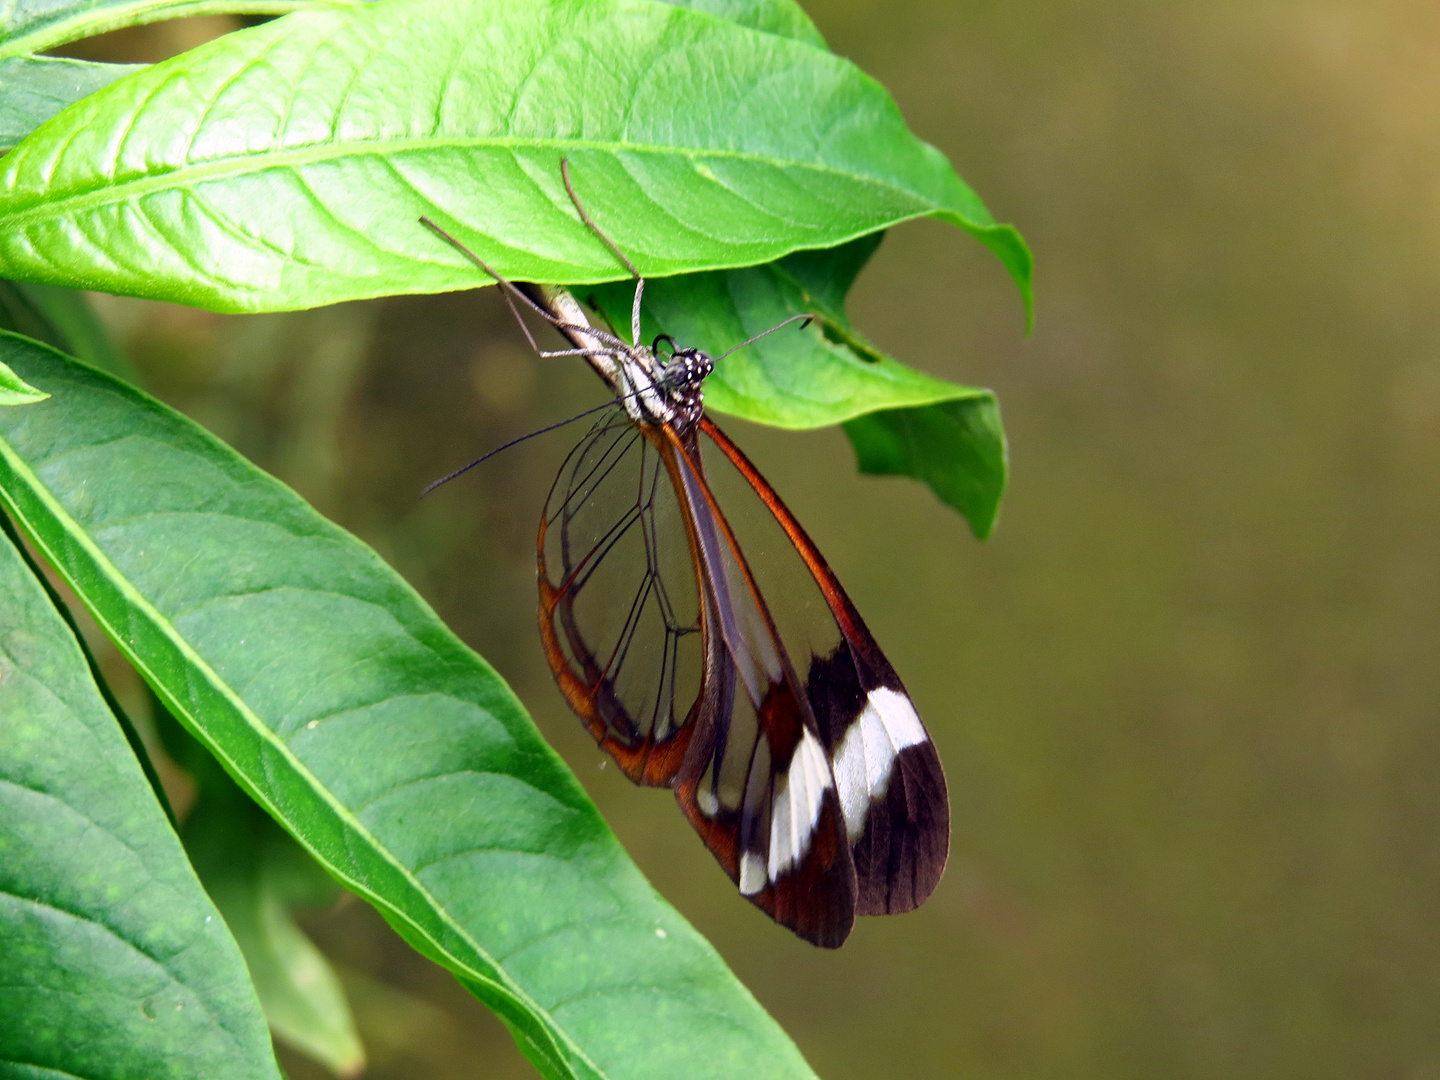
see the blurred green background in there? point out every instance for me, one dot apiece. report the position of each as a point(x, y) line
point(1182, 695)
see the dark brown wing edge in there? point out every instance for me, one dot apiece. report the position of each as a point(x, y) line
point(645, 760)
point(815, 897)
point(887, 771)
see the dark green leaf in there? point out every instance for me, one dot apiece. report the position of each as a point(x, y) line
point(253, 870)
point(256, 872)
point(35, 88)
point(33, 26)
point(957, 447)
point(62, 319)
point(397, 757)
point(115, 961)
point(900, 420)
point(285, 166)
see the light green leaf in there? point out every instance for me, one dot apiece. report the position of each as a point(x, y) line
point(397, 757)
point(900, 420)
point(115, 961)
point(285, 166)
point(16, 391)
point(35, 88)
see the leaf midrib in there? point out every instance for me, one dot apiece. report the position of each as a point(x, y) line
point(502, 981)
point(48, 204)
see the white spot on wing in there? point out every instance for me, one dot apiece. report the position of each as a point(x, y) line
point(798, 803)
point(709, 805)
point(902, 722)
point(887, 725)
point(752, 874)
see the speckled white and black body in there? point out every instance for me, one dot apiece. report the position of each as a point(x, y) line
point(651, 387)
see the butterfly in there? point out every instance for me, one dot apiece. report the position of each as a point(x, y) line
point(708, 647)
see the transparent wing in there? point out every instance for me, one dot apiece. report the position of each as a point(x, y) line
point(619, 600)
point(663, 645)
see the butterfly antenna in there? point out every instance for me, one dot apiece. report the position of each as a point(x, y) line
point(515, 442)
point(778, 326)
point(508, 289)
point(565, 175)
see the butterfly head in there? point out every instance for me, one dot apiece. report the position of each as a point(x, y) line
point(685, 370)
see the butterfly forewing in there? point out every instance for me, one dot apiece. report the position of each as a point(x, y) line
point(619, 611)
point(886, 770)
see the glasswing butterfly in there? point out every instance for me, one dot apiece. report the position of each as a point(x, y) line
point(736, 671)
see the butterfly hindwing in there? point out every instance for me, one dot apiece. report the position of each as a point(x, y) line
point(619, 609)
point(797, 756)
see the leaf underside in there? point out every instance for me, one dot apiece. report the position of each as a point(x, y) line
point(900, 421)
point(286, 165)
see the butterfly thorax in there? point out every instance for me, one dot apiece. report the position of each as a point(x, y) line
point(660, 389)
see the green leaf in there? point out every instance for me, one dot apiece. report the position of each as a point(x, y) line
point(899, 420)
point(782, 17)
point(115, 961)
point(254, 872)
point(956, 447)
point(62, 319)
point(395, 755)
point(33, 26)
point(35, 88)
point(16, 391)
point(285, 166)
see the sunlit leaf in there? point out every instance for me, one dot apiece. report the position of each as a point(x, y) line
point(115, 961)
point(395, 755)
point(783, 17)
point(286, 165)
